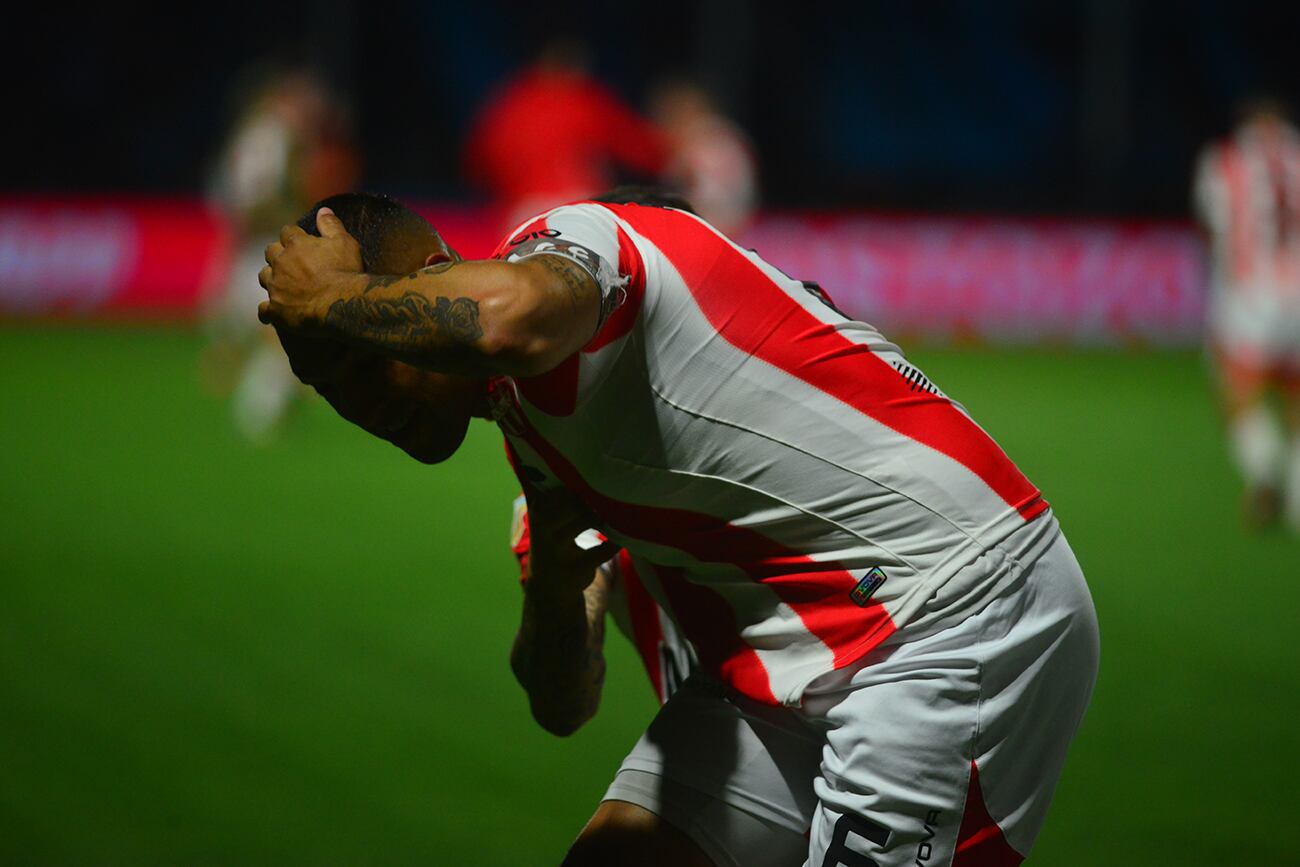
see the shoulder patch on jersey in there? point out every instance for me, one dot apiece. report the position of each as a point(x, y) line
point(545, 242)
point(867, 586)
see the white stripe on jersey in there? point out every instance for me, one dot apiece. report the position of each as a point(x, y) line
point(674, 416)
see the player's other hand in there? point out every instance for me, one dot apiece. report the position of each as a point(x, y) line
point(556, 563)
point(304, 273)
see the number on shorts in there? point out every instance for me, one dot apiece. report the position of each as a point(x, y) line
point(838, 854)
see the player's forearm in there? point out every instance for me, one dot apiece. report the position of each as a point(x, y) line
point(468, 318)
point(558, 658)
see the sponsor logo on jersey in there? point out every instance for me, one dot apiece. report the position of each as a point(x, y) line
point(867, 586)
point(533, 236)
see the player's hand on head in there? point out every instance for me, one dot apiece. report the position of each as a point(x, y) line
point(556, 561)
point(302, 271)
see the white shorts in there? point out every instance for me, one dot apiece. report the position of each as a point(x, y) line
point(938, 749)
point(734, 775)
point(1256, 327)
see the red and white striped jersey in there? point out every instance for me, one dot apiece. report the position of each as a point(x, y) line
point(787, 485)
point(1247, 193)
point(667, 657)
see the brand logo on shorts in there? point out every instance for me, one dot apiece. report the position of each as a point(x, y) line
point(870, 583)
point(924, 849)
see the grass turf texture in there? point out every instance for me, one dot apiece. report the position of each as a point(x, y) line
point(214, 653)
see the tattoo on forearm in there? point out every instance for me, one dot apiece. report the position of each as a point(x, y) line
point(408, 318)
point(382, 281)
point(578, 281)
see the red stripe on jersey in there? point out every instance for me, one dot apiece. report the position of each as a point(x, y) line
point(980, 842)
point(711, 625)
point(644, 614)
point(756, 315)
point(817, 591)
point(620, 322)
point(554, 392)
point(1240, 224)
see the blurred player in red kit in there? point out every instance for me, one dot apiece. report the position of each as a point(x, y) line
point(1247, 194)
point(552, 134)
point(894, 644)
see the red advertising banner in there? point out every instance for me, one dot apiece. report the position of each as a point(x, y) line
point(88, 257)
point(948, 278)
point(999, 280)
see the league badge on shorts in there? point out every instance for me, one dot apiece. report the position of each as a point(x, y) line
point(870, 583)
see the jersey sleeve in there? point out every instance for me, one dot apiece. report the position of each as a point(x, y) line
point(585, 234)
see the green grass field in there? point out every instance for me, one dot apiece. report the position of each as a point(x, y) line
point(212, 653)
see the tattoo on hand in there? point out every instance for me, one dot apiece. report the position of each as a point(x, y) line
point(407, 318)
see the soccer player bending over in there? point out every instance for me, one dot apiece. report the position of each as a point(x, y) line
point(887, 619)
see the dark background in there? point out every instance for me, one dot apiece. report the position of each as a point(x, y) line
point(1082, 106)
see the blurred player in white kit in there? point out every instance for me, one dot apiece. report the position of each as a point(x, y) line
point(1247, 195)
point(892, 643)
point(288, 148)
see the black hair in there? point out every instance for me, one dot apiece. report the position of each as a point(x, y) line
point(638, 194)
point(370, 218)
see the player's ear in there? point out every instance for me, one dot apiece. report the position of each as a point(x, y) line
point(438, 257)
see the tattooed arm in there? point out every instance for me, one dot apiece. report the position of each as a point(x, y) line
point(558, 655)
point(469, 318)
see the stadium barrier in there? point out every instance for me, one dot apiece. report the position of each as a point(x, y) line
point(97, 257)
point(947, 278)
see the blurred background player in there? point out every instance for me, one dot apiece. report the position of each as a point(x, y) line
point(1247, 194)
point(552, 134)
point(712, 162)
point(290, 146)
